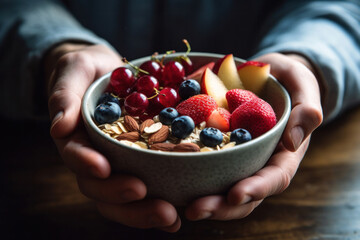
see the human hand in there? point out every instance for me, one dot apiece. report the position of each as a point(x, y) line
point(297, 75)
point(70, 68)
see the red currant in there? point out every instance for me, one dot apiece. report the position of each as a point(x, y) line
point(173, 74)
point(147, 85)
point(168, 97)
point(136, 103)
point(121, 81)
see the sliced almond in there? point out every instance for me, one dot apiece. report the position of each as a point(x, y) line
point(146, 123)
point(153, 128)
point(131, 124)
point(129, 136)
point(160, 135)
point(229, 145)
point(166, 147)
point(186, 147)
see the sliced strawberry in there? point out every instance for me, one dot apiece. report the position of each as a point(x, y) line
point(198, 107)
point(236, 97)
point(256, 116)
point(220, 119)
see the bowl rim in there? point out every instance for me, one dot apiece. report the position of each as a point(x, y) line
point(87, 118)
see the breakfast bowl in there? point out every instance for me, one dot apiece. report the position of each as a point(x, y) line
point(180, 177)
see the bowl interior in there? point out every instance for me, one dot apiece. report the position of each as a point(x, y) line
point(274, 93)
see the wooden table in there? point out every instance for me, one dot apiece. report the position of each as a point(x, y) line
point(40, 200)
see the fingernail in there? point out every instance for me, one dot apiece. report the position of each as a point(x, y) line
point(128, 196)
point(297, 135)
point(204, 215)
point(57, 118)
point(246, 199)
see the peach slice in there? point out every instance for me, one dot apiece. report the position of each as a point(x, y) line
point(212, 85)
point(254, 75)
point(228, 73)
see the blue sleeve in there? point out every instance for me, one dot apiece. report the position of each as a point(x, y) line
point(328, 34)
point(27, 30)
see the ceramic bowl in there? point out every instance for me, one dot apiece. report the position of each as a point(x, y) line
point(182, 177)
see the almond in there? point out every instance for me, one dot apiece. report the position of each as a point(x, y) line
point(131, 124)
point(130, 136)
point(186, 147)
point(167, 147)
point(146, 123)
point(160, 136)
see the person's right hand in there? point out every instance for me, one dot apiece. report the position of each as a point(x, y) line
point(70, 68)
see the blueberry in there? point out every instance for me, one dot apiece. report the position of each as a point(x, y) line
point(108, 97)
point(189, 88)
point(211, 137)
point(240, 135)
point(107, 112)
point(182, 126)
point(167, 115)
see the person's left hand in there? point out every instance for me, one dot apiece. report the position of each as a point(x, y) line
point(296, 74)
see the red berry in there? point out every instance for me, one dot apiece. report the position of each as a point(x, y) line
point(198, 107)
point(173, 74)
point(136, 103)
point(220, 119)
point(153, 68)
point(256, 116)
point(168, 97)
point(236, 97)
point(121, 81)
point(147, 85)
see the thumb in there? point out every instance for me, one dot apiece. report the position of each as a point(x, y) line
point(302, 85)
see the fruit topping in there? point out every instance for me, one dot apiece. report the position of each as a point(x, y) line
point(211, 137)
point(256, 116)
point(136, 103)
point(182, 126)
point(254, 75)
point(167, 115)
point(220, 119)
point(121, 81)
point(165, 105)
point(236, 97)
point(198, 107)
point(189, 88)
point(107, 112)
point(108, 97)
point(239, 136)
point(212, 85)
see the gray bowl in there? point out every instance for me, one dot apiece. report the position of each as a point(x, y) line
point(182, 177)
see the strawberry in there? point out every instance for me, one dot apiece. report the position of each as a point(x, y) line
point(198, 107)
point(220, 119)
point(236, 97)
point(256, 116)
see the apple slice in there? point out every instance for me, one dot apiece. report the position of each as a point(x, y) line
point(220, 119)
point(199, 72)
point(212, 85)
point(228, 73)
point(254, 75)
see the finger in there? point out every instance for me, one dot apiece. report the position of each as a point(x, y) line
point(73, 73)
point(274, 178)
point(306, 114)
point(80, 157)
point(116, 189)
point(217, 208)
point(149, 213)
